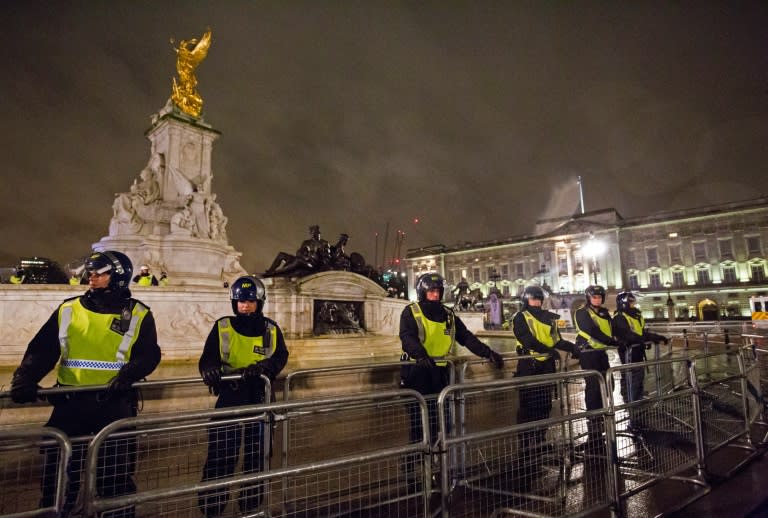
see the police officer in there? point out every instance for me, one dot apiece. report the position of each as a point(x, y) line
point(593, 323)
point(251, 344)
point(144, 278)
point(163, 279)
point(18, 276)
point(107, 327)
point(537, 334)
point(428, 330)
point(629, 329)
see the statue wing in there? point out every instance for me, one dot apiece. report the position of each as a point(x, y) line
point(201, 49)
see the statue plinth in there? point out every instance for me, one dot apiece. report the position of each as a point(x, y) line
point(170, 219)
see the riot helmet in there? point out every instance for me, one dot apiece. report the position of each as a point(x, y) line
point(116, 264)
point(624, 300)
point(532, 292)
point(429, 281)
point(595, 290)
point(248, 289)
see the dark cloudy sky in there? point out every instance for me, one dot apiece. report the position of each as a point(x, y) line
point(475, 117)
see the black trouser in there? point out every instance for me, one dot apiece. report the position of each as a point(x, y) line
point(535, 402)
point(632, 380)
point(594, 359)
point(428, 381)
point(223, 451)
point(86, 414)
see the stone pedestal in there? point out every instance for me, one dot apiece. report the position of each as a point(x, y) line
point(170, 219)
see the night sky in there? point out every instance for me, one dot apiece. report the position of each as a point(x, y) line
point(475, 117)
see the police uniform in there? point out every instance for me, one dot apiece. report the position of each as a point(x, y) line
point(429, 329)
point(147, 279)
point(594, 336)
point(629, 329)
point(233, 344)
point(93, 337)
point(536, 331)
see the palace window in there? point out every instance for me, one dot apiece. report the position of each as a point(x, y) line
point(678, 278)
point(702, 276)
point(631, 263)
point(729, 274)
point(758, 272)
point(475, 274)
point(726, 249)
point(700, 251)
point(505, 271)
point(654, 280)
point(634, 283)
point(519, 271)
point(674, 254)
point(753, 246)
point(652, 255)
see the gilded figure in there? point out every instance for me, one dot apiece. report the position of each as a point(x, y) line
point(189, 55)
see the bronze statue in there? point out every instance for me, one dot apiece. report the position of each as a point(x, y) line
point(460, 291)
point(339, 258)
point(313, 255)
point(189, 55)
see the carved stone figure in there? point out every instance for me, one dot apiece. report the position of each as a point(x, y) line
point(189, 55)
point(183, 223)
point(125, 220)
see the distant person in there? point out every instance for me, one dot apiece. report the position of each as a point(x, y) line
point(537, 333)
point(103, 337)
point(629, 329)
point(145, 278)
point(428, 331)
point(251, 344)
point(163, 281)
point(595, 335)
point(18, 277)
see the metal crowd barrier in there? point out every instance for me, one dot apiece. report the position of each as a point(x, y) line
point(540, 468)
point(721, 385)
point(342, 473)
point(658, 434)
point(23, 467)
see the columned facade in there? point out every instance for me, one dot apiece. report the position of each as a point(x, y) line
point(702, 263)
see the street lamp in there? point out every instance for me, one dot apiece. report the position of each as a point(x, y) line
point(593, 248)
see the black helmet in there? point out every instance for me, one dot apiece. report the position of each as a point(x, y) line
point(624, 299)
point(429, 281)
point(594, 290)
point(532, 292)
point(117, 264)
point(248, 288)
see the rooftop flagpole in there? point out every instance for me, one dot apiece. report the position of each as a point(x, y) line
point(581, 194)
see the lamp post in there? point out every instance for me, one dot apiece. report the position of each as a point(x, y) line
point(593, 248)
point(670, 302)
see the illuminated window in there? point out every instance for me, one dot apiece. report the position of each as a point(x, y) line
point(699, 252)
point(654, 280)
point(678, 278)
point(674, 254)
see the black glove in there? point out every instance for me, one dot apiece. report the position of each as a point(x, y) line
point(120, 383)
point(426, 361)
point(648, 345)
point(253, 371)
point(212, 377)
point(496, 359)
point(23, 390)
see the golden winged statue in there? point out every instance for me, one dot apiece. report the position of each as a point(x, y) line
point(189, 54)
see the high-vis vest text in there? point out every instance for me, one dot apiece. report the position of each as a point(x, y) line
point(437, 338)
point(603, 323)
point(92, 350)
point(239, 351)
point(547, 334)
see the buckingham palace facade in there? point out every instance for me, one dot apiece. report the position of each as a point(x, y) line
point(700, 263)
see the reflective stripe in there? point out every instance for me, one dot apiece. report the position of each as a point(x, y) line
point(93, 364)
point(417, 315)
point(268, 345)
point(139, 311)
point(226, 339)
point(66, 318)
